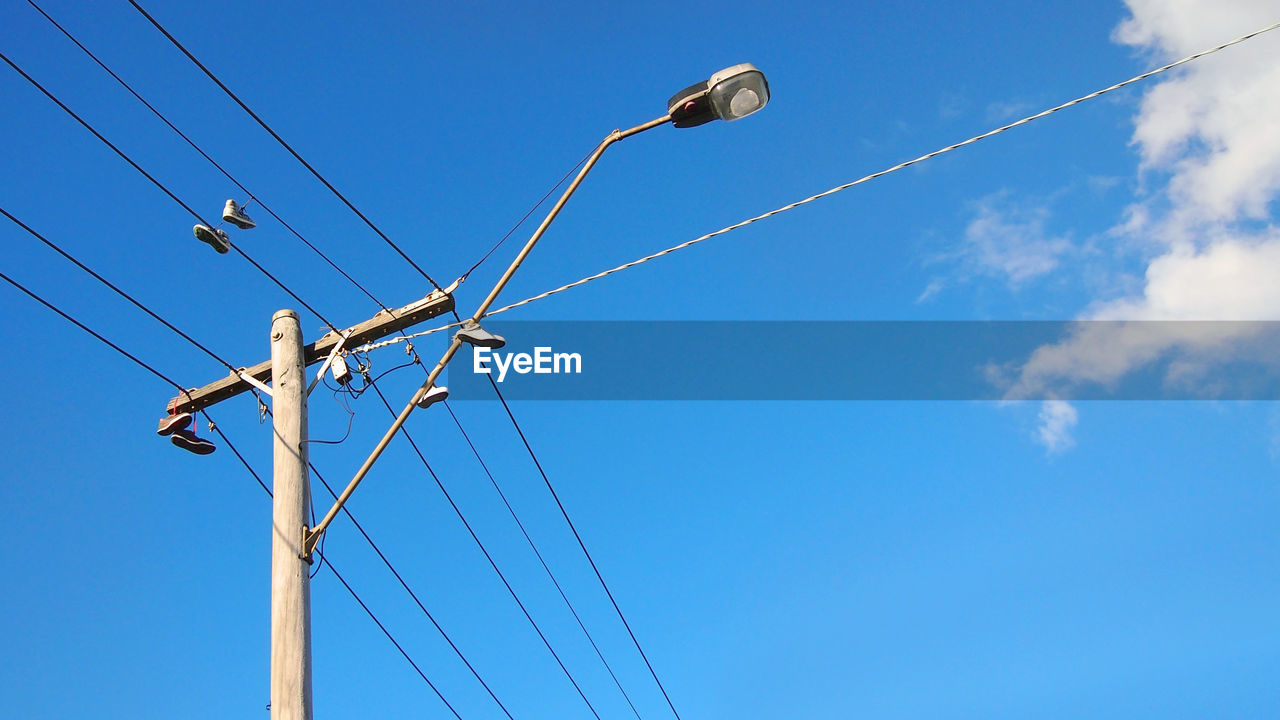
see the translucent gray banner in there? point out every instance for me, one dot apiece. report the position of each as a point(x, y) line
point(1004, 360)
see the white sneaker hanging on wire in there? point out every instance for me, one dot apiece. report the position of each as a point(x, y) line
point(433, 396)
point(473, 334)
point(235, 215)
point(214, 237)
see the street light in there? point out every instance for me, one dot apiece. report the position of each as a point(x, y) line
point(733, 93)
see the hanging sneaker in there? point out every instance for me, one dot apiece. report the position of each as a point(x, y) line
point(433, 396)
point(187, 440)
point(170, 424)
point(235, 215)
point(475, 335)
point(214, 238)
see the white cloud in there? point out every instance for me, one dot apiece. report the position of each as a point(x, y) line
point(1211, 126)
point(1210, 159)
point(1057, 419)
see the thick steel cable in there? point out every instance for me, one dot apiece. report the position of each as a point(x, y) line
point(541, 560)
point(205, 155)
point(160, 185)
point(846, 186)
point(284, 144)
point(488, 557)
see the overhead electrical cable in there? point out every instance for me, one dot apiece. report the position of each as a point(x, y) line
point(236, 452)
point(87, 329)
point(546, 480)
point(284, 144)
point(390, 637)
point(412, 594)
point(348, 587)
point(160, 185)
point(206, 156)
point(209, 352)
point(522, 220)
point(169, 380)
point(118, 291)
point(840, 188)
point(342, 580)
point(489, 557)
point(541, 560)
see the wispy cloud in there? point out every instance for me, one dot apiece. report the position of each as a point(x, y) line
point(1002, 112)
point(1005, 240)
point(1056, 421)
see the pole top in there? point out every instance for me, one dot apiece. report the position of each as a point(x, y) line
point(286, 313)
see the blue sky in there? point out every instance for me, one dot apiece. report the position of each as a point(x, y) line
point(775, 559)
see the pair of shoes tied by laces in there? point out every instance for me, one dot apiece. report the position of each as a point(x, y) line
point(177, 427)
point(218, 239)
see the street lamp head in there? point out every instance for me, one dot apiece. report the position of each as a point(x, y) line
point(732, 93)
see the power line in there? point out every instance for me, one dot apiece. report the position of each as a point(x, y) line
point(536, 205)
point(532, 545)
point(118, 291)
point(338, 575)
point(582, 545)
point(342, 580)
point(523, 531)
point(165, 378)
point(87, 329)
point(489, 557)
point(206, 156)
point(160, 185)
point(390, 637)
point(214, 426)
point(412, 594)
point(840, 188)
point(244, 189)
point(235, 451)
point(228, 365)
point(282, 142)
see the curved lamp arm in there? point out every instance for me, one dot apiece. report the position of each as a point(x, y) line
point(311, 536)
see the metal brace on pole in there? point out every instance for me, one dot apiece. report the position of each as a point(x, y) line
point(329, 360)
point(261, 386)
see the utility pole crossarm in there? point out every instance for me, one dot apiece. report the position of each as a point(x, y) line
point(379, 326)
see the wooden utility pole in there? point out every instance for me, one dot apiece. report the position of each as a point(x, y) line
point(290, 573)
